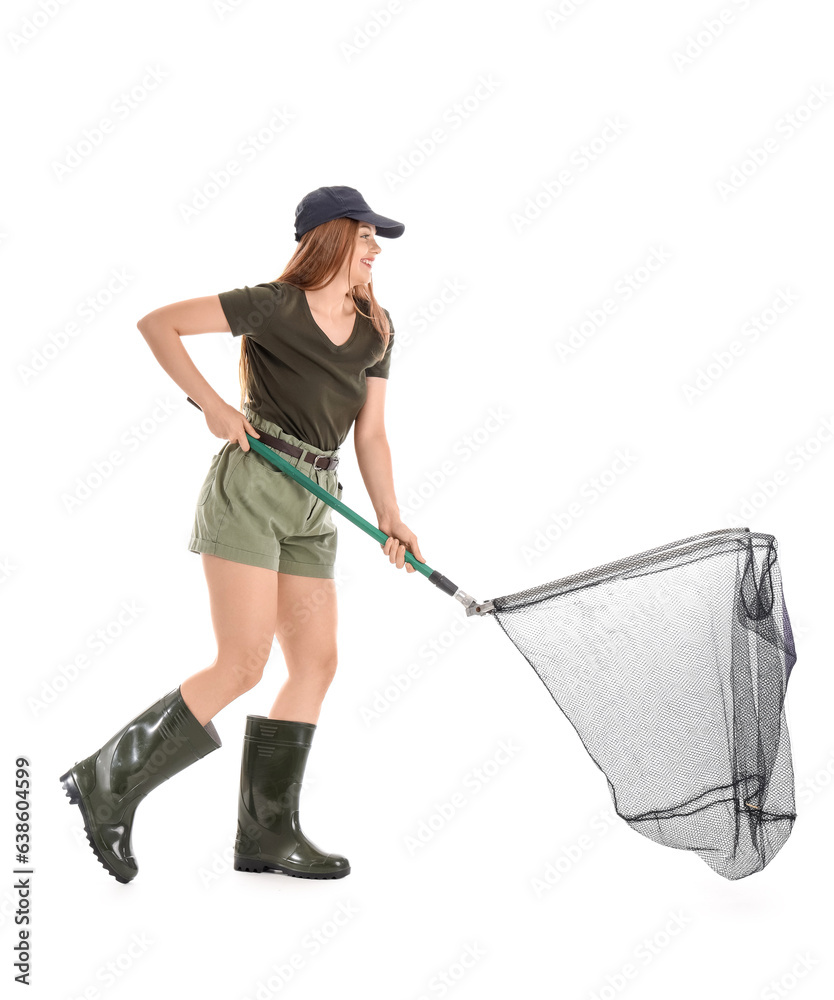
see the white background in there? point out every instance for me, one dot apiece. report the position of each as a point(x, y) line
point(754, 448)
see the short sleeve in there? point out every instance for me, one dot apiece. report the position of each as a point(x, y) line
point(383, 366)
point(249, 310)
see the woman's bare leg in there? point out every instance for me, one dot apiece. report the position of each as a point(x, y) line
point(306, 616)
point(243, 600)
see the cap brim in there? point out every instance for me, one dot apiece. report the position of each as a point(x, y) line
point(384, 226)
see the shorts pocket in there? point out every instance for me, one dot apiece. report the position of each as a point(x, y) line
point(339, 490)
point(211, 475)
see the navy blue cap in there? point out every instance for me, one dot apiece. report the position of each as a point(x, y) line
point(327, 203)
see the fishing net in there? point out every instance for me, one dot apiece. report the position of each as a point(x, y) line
point(672, 665)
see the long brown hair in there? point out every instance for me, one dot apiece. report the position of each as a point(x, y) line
point(318, 257)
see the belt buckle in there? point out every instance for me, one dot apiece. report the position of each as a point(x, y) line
point(331, 461)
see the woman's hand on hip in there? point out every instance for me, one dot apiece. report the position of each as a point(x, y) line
point(224, 421)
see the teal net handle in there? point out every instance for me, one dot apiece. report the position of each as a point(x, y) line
point(310, 484)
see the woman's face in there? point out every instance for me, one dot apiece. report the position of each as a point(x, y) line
point(366, 249)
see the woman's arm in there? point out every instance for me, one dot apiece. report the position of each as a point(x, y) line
point(163, 330)
point(373, 455)
point(373, 452)
point(374, 458)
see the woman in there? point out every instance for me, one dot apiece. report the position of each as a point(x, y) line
point(315, 354)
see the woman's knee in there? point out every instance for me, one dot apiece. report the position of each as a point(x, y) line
point(244, 667)
point(328, 670)
point(320, 671)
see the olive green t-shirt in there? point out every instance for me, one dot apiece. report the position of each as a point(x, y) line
point(302, 381)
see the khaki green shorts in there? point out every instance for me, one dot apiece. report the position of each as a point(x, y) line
point(251, 512)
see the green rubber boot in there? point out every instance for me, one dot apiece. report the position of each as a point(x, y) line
point(269, 836)
point(108, 785)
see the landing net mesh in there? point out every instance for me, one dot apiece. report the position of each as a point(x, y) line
point(672, 665)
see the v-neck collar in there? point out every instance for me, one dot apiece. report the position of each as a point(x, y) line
point(322, 334)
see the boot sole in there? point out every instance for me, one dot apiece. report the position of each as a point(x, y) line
point(74, 795)
point(255, 865)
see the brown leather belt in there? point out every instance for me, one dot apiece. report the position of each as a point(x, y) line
point(317, 461)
